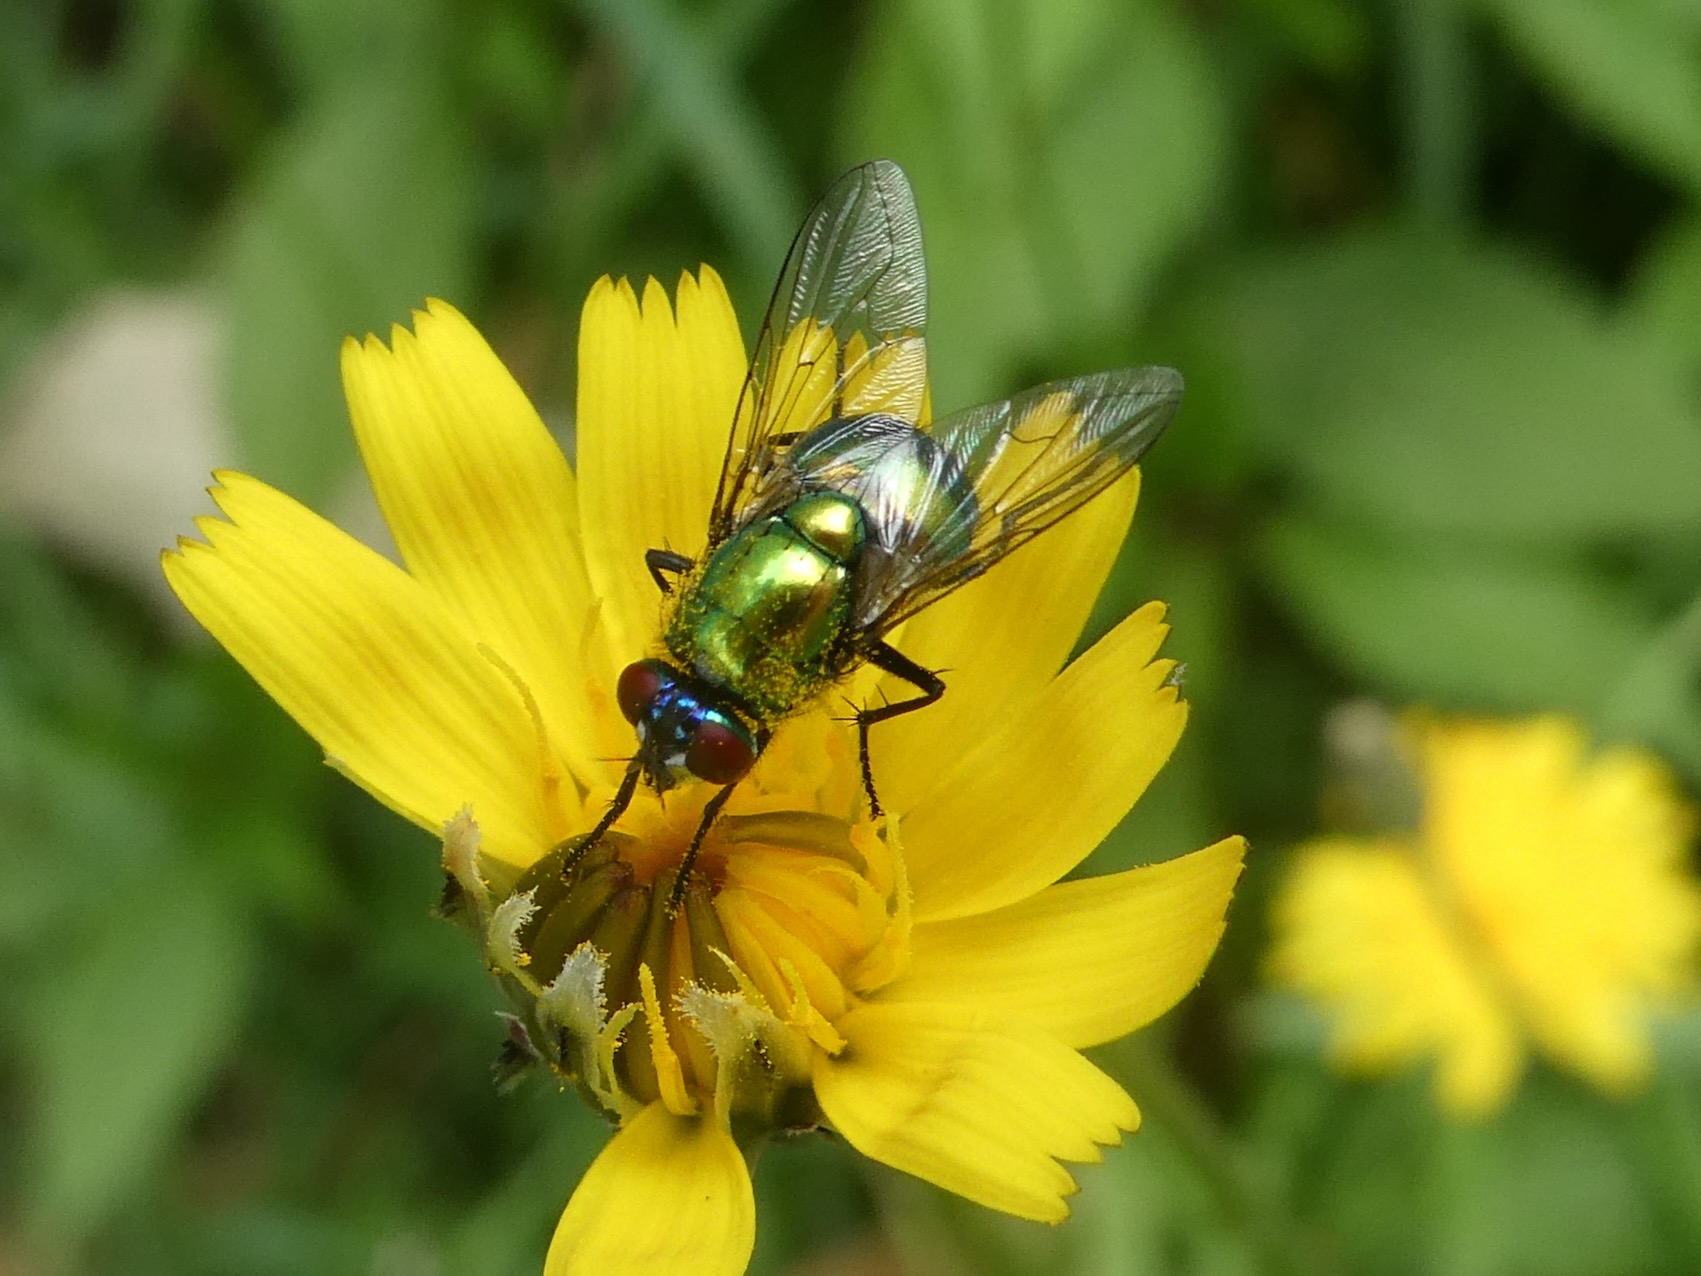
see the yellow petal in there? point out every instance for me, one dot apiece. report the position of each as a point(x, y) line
point(1357, 928)
point(656, 397)
point(1045, 784)
point(1086, 961)
point(998, 642)
point(369, 662)
point(483, 508)
point(668, 1194)
point(1571, 869)
point(981, 1107)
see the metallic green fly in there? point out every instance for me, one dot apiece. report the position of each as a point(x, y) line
point(841, 512)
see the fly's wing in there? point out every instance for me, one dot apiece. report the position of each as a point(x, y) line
point(844, 334)
point(987, 480)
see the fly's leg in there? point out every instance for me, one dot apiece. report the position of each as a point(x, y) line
point(892, 661)
point(665, 560)
point(676, 897)
point(616, 808)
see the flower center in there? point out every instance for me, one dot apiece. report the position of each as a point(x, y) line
point(787, 916)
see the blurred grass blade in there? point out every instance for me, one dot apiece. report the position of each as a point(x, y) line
point(1440, 110)
point(1170, 1104)
point(364, 211)
point(716, 129)
point(1061, 153)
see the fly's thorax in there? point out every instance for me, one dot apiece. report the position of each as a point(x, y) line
point(909, 490)
point(831, 522)
point(788, 918)
point(766, 616)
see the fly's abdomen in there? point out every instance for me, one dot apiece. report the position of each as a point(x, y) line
point(765, 616)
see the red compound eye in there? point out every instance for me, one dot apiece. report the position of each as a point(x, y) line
point(719, 753)
point(640, 683)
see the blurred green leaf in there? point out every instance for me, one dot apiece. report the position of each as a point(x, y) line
point(274, 1240)
point(1458, 627)
point(125, 1039)
point(324, 45)
point(1665, 298)
point(1549, 1188)
point(1666, 1126)
point(504, 1234)
point(76, 809)
point(76, 818)
point(54, 651)
point(813, 1191)
point(516, 70)
point(1629, 67)
point(1657, 700)
point(1060, 152)
point(1439, 387)
point(1146, 1209)
point(1355, 1156)
point(1332, 35)
point(1223, 1197)
point(362, 212)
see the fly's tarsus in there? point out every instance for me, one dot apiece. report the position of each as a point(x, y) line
point(664, 562)
point(676, 897)
point(616, 808)
point(890, 660)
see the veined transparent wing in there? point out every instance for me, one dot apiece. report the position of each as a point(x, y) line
point(947, 504)
point(844, 334)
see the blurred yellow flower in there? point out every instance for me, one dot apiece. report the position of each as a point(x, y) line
point(1543, 902)
point(926, 999)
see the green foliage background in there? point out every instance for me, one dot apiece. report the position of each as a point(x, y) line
point(1433, 271)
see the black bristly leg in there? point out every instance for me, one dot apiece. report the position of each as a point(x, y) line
point(676, 896)
point(616, 808)
point(890, 660)
point(665, 560)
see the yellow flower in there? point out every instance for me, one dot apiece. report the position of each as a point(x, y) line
point(925, 999)
point(1543, 902)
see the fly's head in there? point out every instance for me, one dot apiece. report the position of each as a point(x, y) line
point(685, 730)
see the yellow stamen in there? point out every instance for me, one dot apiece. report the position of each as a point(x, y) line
point(779, 913)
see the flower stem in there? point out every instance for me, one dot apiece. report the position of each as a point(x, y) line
point(1170, 1103)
